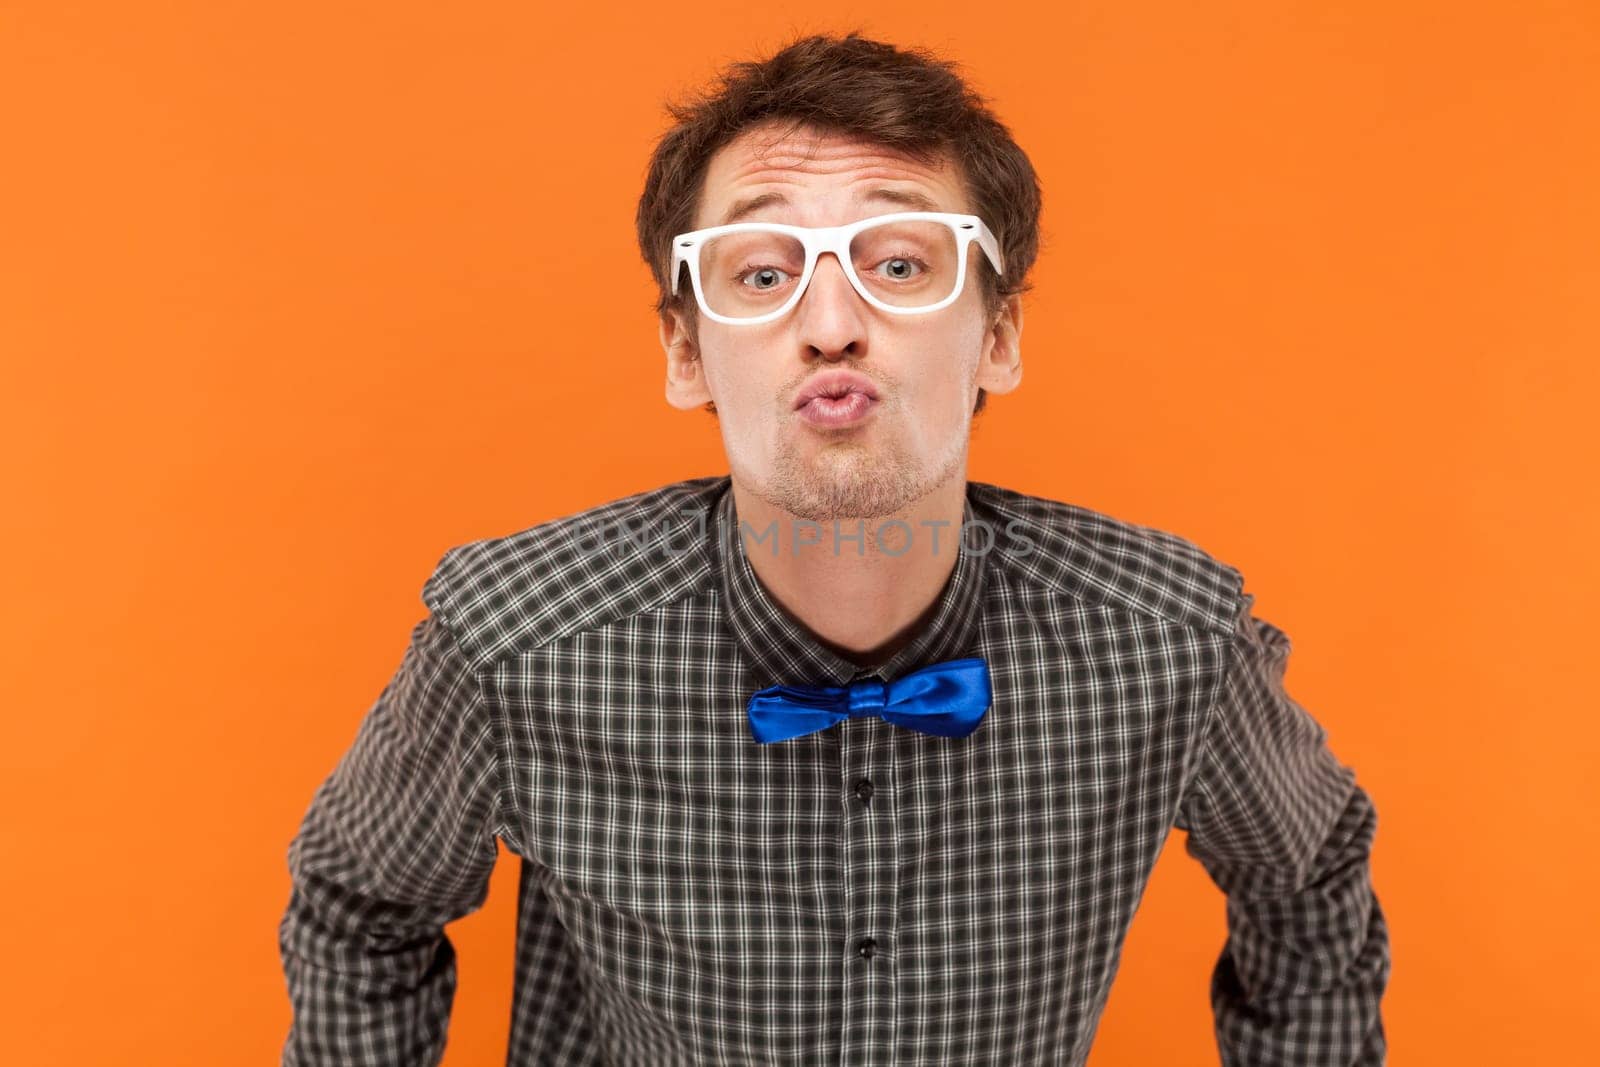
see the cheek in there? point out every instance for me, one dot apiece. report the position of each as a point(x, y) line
point(734, 380)
point(716, 363)
point(955, 353)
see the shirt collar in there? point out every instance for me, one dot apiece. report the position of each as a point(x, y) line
point(784, 652)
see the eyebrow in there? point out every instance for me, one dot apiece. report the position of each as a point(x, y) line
point(907, 198)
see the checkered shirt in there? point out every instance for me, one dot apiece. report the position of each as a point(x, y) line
point(866, 894)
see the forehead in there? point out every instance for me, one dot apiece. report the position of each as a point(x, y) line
point(825, 177)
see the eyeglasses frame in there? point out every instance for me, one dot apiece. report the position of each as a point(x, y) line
point(835, 239)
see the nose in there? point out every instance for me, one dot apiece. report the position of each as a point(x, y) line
point(831, 316)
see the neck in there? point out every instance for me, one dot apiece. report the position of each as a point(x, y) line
point(864, 599)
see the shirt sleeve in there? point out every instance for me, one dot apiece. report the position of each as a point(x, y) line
point(1284, 830)
point(397, 841)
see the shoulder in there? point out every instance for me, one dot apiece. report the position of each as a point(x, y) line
point(1099, 558)
point(503, 594)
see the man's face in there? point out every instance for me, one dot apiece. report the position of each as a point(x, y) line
point(926, 369)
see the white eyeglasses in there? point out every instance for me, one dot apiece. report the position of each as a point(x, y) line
point(908, 263)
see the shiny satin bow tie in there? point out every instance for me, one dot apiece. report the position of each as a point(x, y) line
point(947, 699)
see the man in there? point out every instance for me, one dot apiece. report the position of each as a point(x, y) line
point(793, 778)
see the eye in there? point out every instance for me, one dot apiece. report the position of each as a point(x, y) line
point(766, 278)
point(901, 268)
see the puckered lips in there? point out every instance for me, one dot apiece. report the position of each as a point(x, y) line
point(836, 399)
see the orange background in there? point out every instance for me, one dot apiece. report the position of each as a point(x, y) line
point(295, 296)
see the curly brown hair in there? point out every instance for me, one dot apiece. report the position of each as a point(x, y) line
point(906, 99)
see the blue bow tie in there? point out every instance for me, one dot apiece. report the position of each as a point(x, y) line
point(947, 699)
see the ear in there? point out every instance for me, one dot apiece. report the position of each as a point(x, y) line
point(686, 380)
point(1000, 367)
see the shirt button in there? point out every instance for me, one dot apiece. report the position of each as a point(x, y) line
point(864, 789)
point(868, 948)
